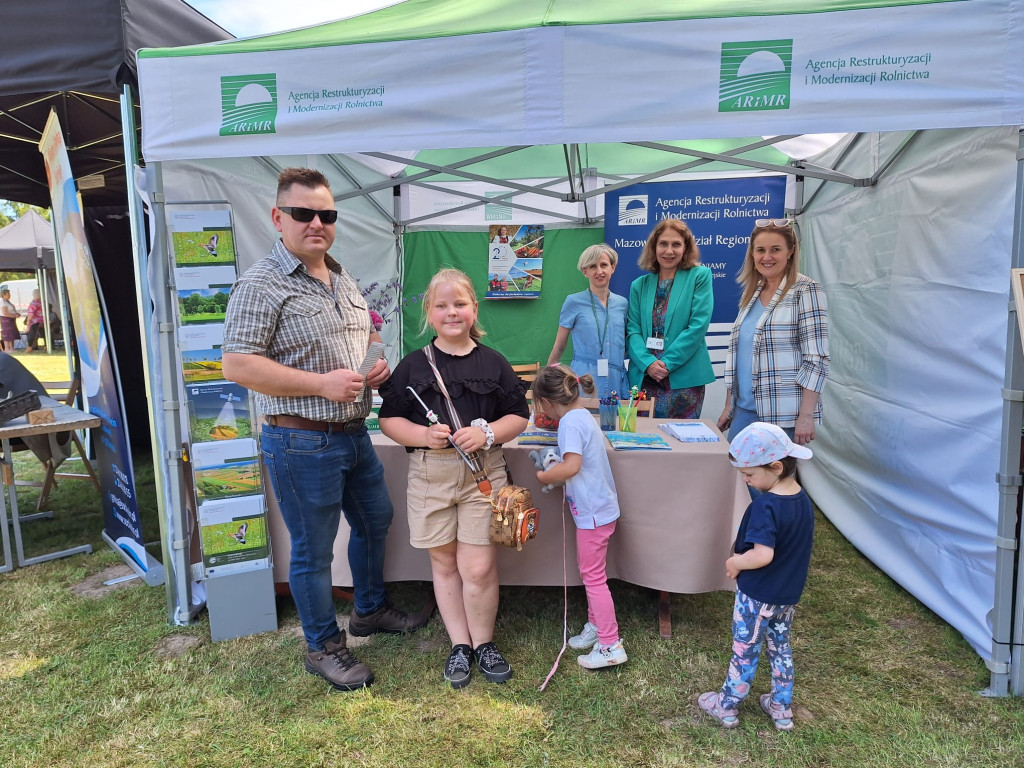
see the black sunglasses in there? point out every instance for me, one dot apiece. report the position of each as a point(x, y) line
point(305, 215)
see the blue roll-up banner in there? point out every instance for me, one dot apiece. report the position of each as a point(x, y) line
point(100, 385)
point(720, 213)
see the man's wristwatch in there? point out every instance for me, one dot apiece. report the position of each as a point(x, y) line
point(487, 431)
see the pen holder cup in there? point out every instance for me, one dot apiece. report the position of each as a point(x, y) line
point(627, 418)
point(608, 414)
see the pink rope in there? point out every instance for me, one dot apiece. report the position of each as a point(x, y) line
point(565, 602)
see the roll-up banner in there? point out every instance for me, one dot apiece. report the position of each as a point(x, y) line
point(122, 528)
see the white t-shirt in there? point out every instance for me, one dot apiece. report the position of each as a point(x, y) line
point(591, 492)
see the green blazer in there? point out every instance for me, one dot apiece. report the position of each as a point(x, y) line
point(686, 324)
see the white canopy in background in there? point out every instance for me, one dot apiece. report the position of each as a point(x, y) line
point(911, 234)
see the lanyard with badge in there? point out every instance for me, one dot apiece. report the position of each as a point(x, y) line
point(602, 357)
point(655, 342)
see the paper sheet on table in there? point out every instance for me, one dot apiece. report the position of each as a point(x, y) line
point(691, 432)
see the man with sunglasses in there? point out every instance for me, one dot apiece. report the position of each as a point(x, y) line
point(296, 331)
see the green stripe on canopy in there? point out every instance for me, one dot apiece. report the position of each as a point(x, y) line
point(418, 19)
point(617, 159)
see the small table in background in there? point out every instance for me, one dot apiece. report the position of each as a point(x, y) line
point(65, 418)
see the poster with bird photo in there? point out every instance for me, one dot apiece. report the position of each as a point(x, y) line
point(233, 535)
point(202, 238)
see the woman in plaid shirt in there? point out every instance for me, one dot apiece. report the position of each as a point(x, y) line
point(778, 349)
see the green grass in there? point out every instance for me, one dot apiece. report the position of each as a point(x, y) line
point(880, 680)
point(46, 366)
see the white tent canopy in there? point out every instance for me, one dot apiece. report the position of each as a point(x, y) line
point(911, 233)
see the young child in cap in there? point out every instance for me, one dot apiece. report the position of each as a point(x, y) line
point(772, 555)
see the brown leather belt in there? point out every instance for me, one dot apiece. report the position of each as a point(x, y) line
point(298, 422)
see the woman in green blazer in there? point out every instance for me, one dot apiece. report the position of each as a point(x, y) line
point(669, 313)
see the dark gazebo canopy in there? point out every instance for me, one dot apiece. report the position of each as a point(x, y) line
point(74, 56)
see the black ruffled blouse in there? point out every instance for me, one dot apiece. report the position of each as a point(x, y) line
point(482, 385)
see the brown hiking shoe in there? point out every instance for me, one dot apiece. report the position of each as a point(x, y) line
point(387, 618)
point(339, 666)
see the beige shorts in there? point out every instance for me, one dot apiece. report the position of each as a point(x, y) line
point(444, 502)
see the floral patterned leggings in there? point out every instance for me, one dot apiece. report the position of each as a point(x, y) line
point(753, 622)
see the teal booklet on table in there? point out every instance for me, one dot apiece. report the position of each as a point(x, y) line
point(632, 441)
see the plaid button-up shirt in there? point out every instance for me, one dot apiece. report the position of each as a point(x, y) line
point(281, 312)
point(790, 352)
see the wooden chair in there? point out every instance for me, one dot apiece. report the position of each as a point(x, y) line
point(527, 372)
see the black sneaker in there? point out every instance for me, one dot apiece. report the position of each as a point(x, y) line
point(457, 669)
point(387, 618)
point(492, 663)
point(339, 666)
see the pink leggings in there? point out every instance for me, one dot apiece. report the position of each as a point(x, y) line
point(591, 556)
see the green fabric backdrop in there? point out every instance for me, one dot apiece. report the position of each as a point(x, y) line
point(523, 330)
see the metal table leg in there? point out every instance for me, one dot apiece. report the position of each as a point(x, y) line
point(8, 561)
point(12, 493)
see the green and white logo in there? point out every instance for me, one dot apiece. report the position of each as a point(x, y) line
point(496, 211)
point(248, 104)
point(755, 75)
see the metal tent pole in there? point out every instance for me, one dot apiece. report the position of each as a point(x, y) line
point(1006, 638)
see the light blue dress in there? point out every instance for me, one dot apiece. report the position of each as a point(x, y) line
point(586, 318)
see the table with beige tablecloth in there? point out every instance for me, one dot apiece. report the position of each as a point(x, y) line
point(680, 509)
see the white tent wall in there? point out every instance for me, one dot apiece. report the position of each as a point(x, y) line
point(916, 272)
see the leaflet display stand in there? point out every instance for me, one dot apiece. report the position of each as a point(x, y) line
point(236, 565)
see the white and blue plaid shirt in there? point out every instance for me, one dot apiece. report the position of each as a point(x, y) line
point(790, 352)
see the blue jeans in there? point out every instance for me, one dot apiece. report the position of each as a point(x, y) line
point(741, 419)
point(315, 476)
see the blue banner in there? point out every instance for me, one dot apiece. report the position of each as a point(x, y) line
point(720, 213)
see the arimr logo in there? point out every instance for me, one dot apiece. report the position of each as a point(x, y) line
point(496, 211)
point(755, 75)
point(632, 210)
point(248, 104)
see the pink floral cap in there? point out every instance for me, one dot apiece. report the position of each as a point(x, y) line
point(761, 443)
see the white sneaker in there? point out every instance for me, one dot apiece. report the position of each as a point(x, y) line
point(604, 656)
point(585, 639)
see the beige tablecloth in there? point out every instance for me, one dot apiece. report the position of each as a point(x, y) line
point(680, 509)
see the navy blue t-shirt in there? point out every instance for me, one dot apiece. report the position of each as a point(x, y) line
point(786, 524)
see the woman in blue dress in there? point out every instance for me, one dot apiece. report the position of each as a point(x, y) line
point(596, 318)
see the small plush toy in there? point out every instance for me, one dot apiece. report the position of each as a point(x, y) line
point(545, 459)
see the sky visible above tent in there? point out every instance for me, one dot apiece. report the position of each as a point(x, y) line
point(247, 18)
point(441, 18)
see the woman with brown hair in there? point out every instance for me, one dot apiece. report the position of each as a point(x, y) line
point(778, 348)
point(669, 312)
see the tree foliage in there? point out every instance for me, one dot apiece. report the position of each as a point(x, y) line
point(10, 211)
